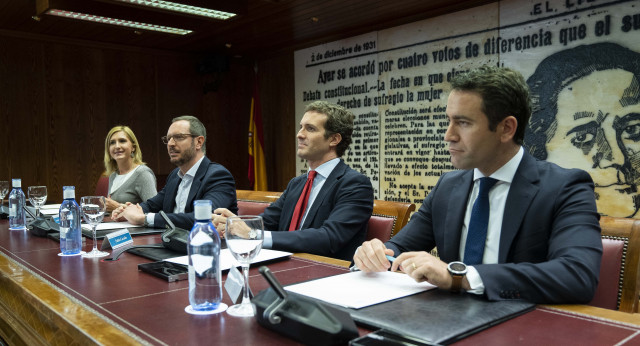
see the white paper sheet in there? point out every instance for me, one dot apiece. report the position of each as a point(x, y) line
point(227, 260)
point(358, 289)
point(50, 209)
point(110, 225)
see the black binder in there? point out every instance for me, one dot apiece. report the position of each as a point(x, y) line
point(438, 316)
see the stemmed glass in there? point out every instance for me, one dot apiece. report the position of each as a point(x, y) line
point(93, 209)
point(4, 190)
point(37, 197)
point(244, 239)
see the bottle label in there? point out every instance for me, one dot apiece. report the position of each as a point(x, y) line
point(13, 210)
point(63, 232)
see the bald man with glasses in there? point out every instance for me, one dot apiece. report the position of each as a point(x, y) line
point(196, 177)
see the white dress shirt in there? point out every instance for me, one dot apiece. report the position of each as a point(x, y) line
point(497, 201)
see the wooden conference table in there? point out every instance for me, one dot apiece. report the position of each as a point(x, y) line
point(47, 299)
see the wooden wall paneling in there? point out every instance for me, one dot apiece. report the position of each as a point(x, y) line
point(23, 116)
point(178, 92)
point(5, 83)
point(276, 80)
point(93, 110)
point(225, 113)
point(131, 98)
point(73, 104)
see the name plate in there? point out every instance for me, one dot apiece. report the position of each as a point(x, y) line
point(118, 239)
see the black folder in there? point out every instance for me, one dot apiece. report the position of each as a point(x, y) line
point(437, 316)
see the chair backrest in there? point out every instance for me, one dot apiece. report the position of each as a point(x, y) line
point(102, 187)
point(399, 211)
point(388, 218)
point(380, 227)
point(257, 196)
point(251, 207)
point(618, 287)
point(254, 202)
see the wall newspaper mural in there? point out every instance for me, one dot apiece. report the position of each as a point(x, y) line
point(581, 59)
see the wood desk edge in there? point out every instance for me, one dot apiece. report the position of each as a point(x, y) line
point(592, 311)
point(323, 259)
point(43, 306)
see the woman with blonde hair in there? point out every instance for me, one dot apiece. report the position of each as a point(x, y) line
point(130, 180)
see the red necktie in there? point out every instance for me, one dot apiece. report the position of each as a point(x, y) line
point(301, 206)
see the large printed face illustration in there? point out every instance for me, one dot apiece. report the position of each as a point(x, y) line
point(598, 130)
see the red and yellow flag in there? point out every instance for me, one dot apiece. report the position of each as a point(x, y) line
point(257, 168)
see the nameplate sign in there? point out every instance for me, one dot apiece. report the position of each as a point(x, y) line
point(118, 239)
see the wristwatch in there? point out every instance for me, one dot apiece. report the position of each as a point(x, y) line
point(146, 223)
point(458, 270)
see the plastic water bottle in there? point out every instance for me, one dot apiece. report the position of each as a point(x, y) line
point(17, 217)
point(205, 278)
point(70, 219)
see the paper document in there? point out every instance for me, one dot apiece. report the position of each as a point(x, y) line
point(110, 225)
point(227, 260)
point(358, 289)
point(50, 209)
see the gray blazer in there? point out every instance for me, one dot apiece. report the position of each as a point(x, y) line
point(140, 186)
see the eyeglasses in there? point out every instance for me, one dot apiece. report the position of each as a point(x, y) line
point(177, 137)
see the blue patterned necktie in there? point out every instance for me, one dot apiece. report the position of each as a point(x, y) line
point(477, 232)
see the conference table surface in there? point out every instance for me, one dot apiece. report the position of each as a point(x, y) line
point(48, 299)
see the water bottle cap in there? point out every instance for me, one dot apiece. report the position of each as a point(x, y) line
point(16, 182)
point(68, 192)
point(202, 209)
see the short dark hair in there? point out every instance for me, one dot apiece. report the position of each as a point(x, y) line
point(559, 70)
point(504, 92)
point(196, 128)
point(339, 120)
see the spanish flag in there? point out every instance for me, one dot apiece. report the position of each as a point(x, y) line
point(257, 168)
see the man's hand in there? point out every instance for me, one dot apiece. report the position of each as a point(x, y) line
point(422, 266)
point(370, 256)
point(219, 219)
point(116, 213)
point(132, 213)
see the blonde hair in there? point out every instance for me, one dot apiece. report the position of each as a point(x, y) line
point(110, 164)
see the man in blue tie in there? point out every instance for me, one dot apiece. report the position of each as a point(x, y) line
point(325, 211)
point(506, 226)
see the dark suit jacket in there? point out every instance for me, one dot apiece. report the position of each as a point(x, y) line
point(337, 221)
point(550, 247)
point(212, 181)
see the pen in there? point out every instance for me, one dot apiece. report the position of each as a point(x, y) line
point(390, 258)
point(355, 268)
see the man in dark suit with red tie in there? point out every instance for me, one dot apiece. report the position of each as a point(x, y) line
point(325, 211)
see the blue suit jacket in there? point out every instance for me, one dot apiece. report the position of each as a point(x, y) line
point(212, 181)
point(336, 223)
point(550, 246)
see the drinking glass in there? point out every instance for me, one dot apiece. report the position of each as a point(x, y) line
point(93, 209)
point(244, 238)
point(37, 197)
point(4, 190)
